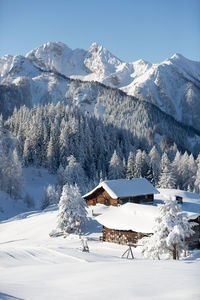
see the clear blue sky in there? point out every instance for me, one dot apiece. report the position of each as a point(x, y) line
point(131, 29)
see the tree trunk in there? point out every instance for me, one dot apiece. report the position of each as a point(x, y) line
point(174, 252)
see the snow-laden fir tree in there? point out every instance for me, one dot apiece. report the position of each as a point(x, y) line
point(11, 177)
point(72, 210)
point(176, 167)
point(192, 172)
point(184, 172)
point(197, 179)
point(138, 164)
point(155, 164)
point(116, 170)
point(74, 174)
point(166, 179)
point(60, 179)
point(130, 166)
point(145, 167)
point(171, 231)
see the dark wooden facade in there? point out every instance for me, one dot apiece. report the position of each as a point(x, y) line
point(102, 197)
point(122, 236)
point(194, 240)
point(137, 199)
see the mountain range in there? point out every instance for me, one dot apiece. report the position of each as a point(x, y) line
point(149, 99)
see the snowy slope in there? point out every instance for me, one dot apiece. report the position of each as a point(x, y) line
point(35, 266)
point(191, 201)
point(10, 207)
point(35, 182)
point(173, 85)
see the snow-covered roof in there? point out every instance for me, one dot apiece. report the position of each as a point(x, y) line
point(120, 188)
point(130, 216)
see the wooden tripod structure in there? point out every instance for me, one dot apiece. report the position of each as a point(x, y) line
point(129, 251)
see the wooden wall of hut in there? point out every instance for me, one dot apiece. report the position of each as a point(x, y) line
point(102, 197)
point(137, 199)
point(194, 240)
point(122, 236)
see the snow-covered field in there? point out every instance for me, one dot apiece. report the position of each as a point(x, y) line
point(36, 266)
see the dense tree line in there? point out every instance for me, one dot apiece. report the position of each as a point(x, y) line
point(83, 150)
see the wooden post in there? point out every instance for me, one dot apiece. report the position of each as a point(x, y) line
point(174, 252)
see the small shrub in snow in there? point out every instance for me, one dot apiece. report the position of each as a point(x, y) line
point(50, 196)
point(170, 232)
point(72, 212)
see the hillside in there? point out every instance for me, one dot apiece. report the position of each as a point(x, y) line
point(144, 120)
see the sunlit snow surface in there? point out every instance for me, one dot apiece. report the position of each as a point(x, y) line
point(35, 266)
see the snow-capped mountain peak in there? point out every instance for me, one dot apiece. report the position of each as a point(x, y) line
point(95, 47)
point(58, 57)
point(100, 61)
point(177, 56)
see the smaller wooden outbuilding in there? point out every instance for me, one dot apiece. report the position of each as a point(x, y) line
point(121, 191)
point(128, 223)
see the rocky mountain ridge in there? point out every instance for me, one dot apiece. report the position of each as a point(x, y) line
point(173, 85)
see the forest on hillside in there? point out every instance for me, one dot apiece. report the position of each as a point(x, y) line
point(81, 149)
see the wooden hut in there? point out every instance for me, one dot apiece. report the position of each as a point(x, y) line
point(121, 191)
point(127, 223)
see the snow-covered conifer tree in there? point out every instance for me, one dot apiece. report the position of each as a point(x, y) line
point(17, 175)
point(176, 169)
point(130, 166)
point(166, 179)
point(60, 179)
point(145, 167)
point(11, 177)
point(170, 232)
point(197, 180)
point(138, 164)
point(72, 212)
point(116, 170)
point(192, 171)
point(74, 174)
point(155, 164)
point(63, 143)
point(184, 172)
